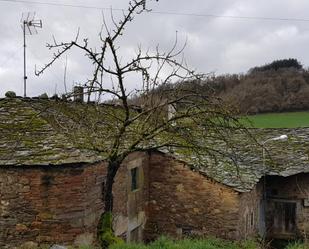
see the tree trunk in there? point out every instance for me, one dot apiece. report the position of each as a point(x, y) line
point(107, 194)
point(105, 230)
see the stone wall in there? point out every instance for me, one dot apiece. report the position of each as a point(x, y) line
point(183, 202)
point(250, 212)
point(130, 205)
point(63, 204)
point(285, 194)
point(50, 204)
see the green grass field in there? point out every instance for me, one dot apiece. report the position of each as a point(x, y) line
point(210, 243)
point(165, 243)
point(278, 120)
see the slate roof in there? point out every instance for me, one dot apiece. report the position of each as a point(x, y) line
point(28, 137)
point(244, 166)
point(35, 132)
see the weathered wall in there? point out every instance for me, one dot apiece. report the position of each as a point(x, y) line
point(281, 191)
point(183, 202)
point(250, 211)
point(63, 204)
point(50, 204)
point(130, 206)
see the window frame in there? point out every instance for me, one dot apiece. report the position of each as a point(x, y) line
point(134, 179)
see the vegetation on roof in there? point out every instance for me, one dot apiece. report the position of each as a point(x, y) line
point(244, 166)
point(28, 137)
point(49, 132)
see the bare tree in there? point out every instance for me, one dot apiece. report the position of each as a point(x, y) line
point(195, 121)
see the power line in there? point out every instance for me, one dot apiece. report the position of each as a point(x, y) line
point(260, 18)
point(232, 17)
point(60, 5)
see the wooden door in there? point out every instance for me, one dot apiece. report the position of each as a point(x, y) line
point(284, 219)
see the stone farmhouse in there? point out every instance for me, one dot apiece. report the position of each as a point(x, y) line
point(51, 187)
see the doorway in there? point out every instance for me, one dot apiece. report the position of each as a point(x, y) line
point(283, 219)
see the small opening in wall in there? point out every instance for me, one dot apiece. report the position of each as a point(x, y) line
point(274, 192)
point(252, 219)
point(134, 179)
point(186, 231)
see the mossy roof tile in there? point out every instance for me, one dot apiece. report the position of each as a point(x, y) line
point(37, 132)
point(29, 138)
point(243, 168)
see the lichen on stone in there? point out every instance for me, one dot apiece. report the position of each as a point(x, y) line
point(28, 137)
point(54, 132)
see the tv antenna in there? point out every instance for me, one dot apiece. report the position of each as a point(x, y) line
point(29, 26)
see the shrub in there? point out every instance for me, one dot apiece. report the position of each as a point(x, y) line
point(105, 231)
point(10, 94)
point(43, 96)
point(297, 245)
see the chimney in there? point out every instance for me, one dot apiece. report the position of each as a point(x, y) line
point(78, 94)
point(171, 111)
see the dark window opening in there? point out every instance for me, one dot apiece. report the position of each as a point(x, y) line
point(252, 219)
point(134, 179)
point(186, 231)
point(274, 192)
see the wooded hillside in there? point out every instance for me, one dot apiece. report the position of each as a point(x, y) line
point(276, 87)
point(268, 91)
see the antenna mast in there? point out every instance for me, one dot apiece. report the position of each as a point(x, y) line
point(29, 25)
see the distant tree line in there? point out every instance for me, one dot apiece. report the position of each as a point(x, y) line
point(278, 64)
point(282, 85)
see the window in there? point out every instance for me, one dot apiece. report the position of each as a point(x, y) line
point(185, 230)
point(252, 219)
point(134, 179)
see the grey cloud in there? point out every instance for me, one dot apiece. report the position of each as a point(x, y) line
point(213, 44)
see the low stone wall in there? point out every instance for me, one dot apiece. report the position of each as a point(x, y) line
point(183, 202)
point(50, 204)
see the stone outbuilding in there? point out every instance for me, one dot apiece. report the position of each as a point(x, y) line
point(51, 187)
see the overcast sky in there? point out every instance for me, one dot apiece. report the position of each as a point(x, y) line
point(215, 44)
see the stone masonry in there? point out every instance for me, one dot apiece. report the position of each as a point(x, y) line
point(130, 206)
point(50, 204)
point(183, 202)
point(62, 204)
